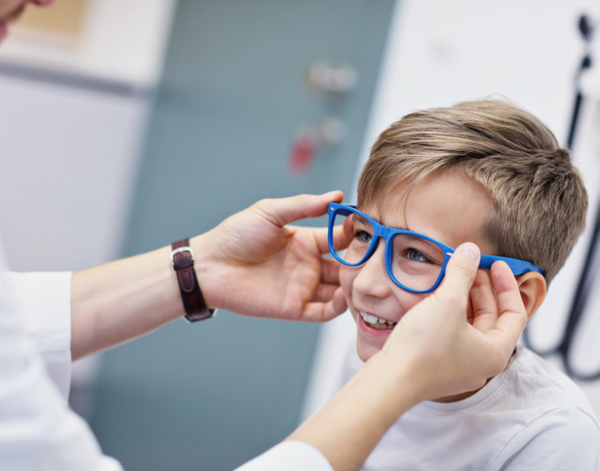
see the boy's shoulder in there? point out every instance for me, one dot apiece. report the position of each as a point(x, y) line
point(531, 416)
point(530, 382)
point(559, 429)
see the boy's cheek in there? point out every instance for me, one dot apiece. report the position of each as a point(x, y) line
point(346, 284)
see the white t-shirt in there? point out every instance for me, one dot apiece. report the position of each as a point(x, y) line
point(38, 431)
point(530, 417)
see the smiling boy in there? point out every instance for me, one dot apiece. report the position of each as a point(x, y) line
point(490, 173)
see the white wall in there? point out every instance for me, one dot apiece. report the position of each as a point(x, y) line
point(441, 52)
point(70, 145)
point(68, 163)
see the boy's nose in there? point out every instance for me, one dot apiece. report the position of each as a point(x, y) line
point(372, 279)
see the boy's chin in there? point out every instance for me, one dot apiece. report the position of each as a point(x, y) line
point(366, 351)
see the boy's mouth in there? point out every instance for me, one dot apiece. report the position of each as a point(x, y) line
point(376, 322)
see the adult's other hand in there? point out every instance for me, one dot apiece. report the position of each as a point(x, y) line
point(255, 264)
point(452, 354)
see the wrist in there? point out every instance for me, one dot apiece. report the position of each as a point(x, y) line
point(361, 412)
point(205, 268)
point(399, 373)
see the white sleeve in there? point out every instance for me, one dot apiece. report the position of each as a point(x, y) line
point(37, 429)
point(565, 438)
point(289, 456)
point(44, 299)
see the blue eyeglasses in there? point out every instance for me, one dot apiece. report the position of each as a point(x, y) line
point(415, 262)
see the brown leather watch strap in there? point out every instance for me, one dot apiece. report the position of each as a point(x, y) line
point(183, 263)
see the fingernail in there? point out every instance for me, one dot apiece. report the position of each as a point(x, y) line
point(470, 250)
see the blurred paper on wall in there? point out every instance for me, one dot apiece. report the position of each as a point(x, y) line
point(99, 39)
point(65, 20)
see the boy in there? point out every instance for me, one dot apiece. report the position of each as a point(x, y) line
point(490, 173)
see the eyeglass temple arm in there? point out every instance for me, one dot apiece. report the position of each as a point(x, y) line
point(518, 267)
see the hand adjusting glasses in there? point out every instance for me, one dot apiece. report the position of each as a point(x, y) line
point(415, 262)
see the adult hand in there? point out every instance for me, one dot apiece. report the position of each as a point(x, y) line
point(433, 352)
point(454, 355)
point(255, 264)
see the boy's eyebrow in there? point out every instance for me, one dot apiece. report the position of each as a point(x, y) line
point(364, 221)
point(361, 219)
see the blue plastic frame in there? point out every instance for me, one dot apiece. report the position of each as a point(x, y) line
point(518, 267)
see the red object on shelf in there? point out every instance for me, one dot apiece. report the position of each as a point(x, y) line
point(304, 147)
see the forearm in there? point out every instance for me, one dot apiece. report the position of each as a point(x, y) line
point(251, 264)
point(349, 427)
point(122, 300)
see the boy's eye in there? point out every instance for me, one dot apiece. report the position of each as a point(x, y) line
point(363, 236)
point(416, 256)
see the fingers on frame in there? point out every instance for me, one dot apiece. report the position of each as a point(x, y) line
point(321, 236)
point(323, 312)
point(460, 274)
point(341, 238)
point(282, 211)
point(483, 301)
point(330, 271)
point(507, 289)
point(324, 293)
point(513, 316)
point(291, 209)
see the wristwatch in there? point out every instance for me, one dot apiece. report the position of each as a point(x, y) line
point(182, 257)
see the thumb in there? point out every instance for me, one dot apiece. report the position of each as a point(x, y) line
point(283, 211)
point(461, 271)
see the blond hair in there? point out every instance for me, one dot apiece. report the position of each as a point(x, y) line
point(539, 197)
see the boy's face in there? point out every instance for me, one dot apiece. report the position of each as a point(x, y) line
point(449, 208)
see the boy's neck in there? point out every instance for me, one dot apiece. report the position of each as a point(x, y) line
point(463, 396)
point(460, 397)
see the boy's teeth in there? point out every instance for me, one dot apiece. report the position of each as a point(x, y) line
point(377, 322)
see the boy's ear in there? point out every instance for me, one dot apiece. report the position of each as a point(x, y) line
point(532, 286)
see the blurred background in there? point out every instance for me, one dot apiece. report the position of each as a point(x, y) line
point(128, 125)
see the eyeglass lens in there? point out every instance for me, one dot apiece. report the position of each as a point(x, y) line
point(416, 262)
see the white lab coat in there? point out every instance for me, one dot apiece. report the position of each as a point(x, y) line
point(38, 431)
